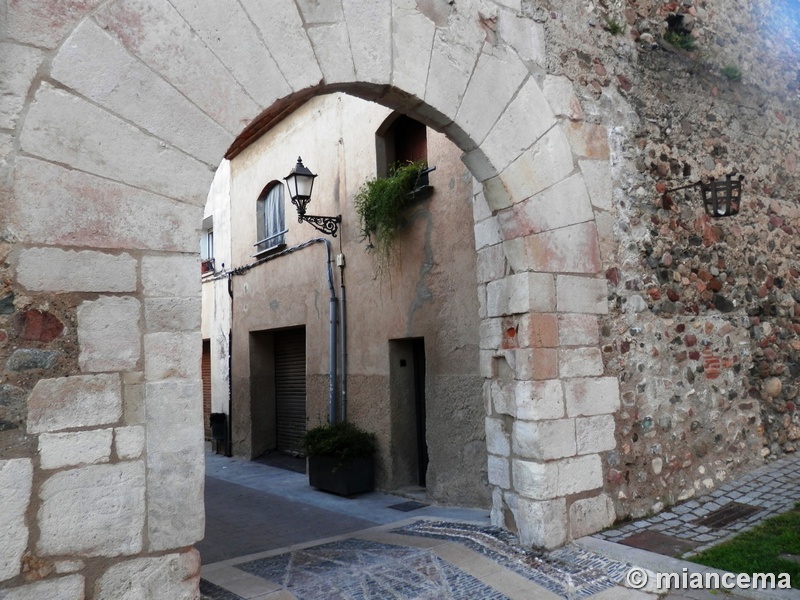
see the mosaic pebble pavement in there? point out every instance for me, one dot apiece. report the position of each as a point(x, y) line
point(570, 571)
point(356, 569)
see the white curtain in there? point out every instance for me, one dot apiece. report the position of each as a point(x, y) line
point(271, 222)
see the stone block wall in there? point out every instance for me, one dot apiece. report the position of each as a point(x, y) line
point(95, 468)
point(101, 450)
point(111, 141)
point(549, 404)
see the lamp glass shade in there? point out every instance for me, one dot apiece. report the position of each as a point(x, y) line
point(300, 181)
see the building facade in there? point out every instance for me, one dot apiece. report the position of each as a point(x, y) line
point(412, 329)
point(215, 326)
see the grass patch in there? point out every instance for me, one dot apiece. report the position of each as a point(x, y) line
point(614, 26)
point(680, 40)
point(758, 550)
point(732, 72)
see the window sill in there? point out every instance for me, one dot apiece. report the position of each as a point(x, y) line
point(269, 251)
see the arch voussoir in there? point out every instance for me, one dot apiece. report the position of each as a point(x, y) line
point(503, 73)
point(228, 31)
point(412, 44)
point(515, 131)
point(369, 28)
point(281, 29)
point(332, 47)
point(99, 68)
point(452, 62)
point(154, 32)
point(545, 163)
point(66, 129)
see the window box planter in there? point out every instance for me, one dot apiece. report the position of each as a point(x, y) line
point(207, 266)
point(355, 476)
point(381, 205)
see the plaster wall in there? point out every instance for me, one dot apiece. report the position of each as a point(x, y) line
point(216, 301)
point(427, 291)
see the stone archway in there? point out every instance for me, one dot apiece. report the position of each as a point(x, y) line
point(121, 112)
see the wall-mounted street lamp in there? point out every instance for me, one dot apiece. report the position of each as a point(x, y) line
point(300, 183)
point(721, 198)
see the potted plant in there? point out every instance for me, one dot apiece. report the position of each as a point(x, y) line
point(381, 202)
point(340, 458)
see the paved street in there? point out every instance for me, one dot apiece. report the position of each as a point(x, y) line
point(269, 536)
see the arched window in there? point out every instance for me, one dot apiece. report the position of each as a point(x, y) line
point(269, 212)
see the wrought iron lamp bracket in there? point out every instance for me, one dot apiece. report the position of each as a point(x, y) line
point(327, 225)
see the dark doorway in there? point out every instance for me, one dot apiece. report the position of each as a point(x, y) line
point(409, 456)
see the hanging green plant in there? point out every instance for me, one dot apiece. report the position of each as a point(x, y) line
point(380, 204)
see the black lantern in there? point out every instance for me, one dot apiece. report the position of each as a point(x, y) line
point(300, 183)
point(721, 198)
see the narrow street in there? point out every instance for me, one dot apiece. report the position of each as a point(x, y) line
point(269, 536)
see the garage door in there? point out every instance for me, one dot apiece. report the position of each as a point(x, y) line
point(290, 389)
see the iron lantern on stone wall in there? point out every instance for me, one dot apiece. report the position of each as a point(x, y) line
point(721, 197)
point(300, 182)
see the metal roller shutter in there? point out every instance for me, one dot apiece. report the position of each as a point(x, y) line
point(205, 372)
point(290, 389)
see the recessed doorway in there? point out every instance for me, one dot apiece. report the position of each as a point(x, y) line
point(407, 382)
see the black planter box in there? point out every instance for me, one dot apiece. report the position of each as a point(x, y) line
point(353, 477)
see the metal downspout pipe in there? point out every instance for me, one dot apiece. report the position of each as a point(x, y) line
point(343, 324)
point(334, 310)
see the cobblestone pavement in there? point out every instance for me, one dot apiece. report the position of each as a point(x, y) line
point(734, 507)
point(430, 554)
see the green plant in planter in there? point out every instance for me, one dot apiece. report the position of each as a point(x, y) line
point(380, 204)
point(340, 459)
point(342, 441)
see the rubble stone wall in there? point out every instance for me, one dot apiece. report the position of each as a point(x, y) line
point(702, 331)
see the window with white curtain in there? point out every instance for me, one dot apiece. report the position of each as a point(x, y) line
point(269, 212)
